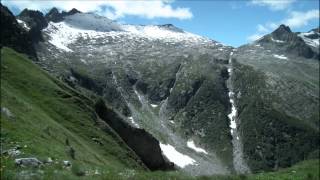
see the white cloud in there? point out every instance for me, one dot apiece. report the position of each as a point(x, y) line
point(262, 28)
point(299, 19)
point(113, 9)
point(294, 20)
point(273, 4)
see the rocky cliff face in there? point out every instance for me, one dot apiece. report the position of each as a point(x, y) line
point(13, 35)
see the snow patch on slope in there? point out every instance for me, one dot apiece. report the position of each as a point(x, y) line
point(176, 157)
point(133, 122)
point(280, 56)
point(23, 24)
point(276, 40)
point(191, 145)
point(154, 105)
point(311, 42)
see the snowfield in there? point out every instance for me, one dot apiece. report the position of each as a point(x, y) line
point(91, 27)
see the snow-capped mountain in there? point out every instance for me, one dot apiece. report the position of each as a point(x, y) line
point(92, 27)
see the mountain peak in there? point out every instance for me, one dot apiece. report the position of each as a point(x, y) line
point(171, 27)
point(54, 15)
point(32, 13)
point(283, 33)
point(53, 10)
point(73, 11)
point(289, 41)
point(34, 19)
point(282, 29)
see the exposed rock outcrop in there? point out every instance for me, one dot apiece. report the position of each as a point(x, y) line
point(28, 162)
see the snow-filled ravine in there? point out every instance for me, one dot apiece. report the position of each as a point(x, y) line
point(239, 163)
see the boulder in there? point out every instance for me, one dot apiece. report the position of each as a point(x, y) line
point(67, 163)
point(29, 162)
point(5, 111)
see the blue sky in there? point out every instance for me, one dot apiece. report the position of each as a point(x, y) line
point(230, 22)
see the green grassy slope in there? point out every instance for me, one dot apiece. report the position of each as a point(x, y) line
point(50, 119)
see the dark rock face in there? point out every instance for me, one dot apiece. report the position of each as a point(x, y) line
point(282, 33)
point(55, 16)
point(36, 21)
point(183, 98)
point(292, 43)
point(158, 91)
point(171, 27)
point(14, 36)
point(71, 12)
point(140, 141)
